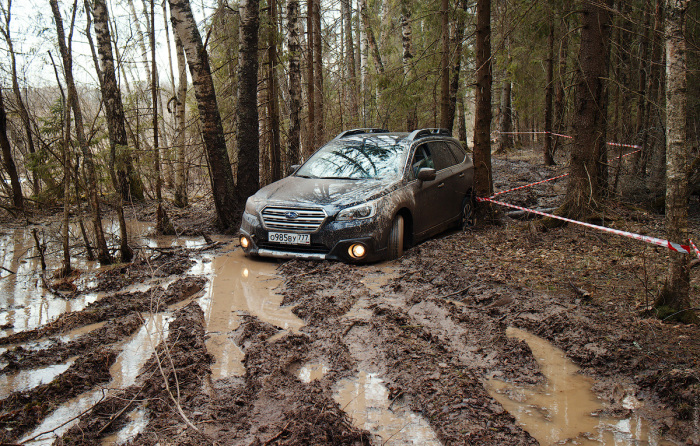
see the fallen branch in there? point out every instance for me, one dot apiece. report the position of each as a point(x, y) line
point(580, 291)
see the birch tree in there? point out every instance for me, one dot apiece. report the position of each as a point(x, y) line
point(64, 45)
point(293, 32)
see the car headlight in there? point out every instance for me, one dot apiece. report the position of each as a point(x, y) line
point(359, 212)
point(251, 205)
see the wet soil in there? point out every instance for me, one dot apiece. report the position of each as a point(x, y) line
point(430, 328)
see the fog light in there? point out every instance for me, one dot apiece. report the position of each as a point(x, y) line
point(357, 251)
point(245, 243)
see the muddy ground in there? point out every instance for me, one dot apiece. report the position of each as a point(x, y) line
point(432, 325)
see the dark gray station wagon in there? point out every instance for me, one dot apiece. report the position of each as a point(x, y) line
point(364, 196)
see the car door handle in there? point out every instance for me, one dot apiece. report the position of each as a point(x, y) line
point(461, 175)
point(440, 185)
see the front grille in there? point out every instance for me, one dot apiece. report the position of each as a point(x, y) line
point(277, 218)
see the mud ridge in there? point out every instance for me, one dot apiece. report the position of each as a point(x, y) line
point(113, 331)
point(22, 411)
point(177, 372)
point(113, 306)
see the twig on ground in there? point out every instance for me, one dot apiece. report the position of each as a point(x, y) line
point(279, 434)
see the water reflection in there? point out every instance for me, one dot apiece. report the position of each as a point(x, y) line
point(560, 411)
point(241, 285)
point(366, 400)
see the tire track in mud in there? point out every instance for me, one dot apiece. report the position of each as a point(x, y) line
point(627, 354)
point(113, 331)
point(170, 384)
point(21, 411)
point(113, 306)
point(417, 365)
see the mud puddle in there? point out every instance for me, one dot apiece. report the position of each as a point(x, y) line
point(365, 399)
point(26, 304)
point(26, 379)
point(311, 372)
point(563, 410)
point(241, 285)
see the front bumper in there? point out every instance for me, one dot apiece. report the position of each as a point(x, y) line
point(330, 242)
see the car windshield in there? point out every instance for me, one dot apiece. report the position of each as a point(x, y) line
point(357, 158)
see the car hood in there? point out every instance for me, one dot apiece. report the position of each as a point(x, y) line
point(336, 193)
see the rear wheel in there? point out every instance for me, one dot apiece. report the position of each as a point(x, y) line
point(468, 219)
point(395, 247)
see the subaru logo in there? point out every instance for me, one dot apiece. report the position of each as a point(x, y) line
point(291, 215)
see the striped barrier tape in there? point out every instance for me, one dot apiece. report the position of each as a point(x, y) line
point(545, 132)
point(528, 185)
point(551, 179)
point(653, 240)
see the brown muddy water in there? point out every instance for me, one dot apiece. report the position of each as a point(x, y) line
point(558, 412)
point(563, 410)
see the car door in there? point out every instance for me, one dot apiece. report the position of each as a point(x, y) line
point(430, 196)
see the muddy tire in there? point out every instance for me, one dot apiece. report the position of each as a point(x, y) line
point(396, 237)
point(468, 217)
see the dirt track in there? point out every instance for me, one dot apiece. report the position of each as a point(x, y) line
point(432, 325)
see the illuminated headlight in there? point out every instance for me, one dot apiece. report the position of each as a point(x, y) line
point(245, 243)
point(251, 205)
point(359, 212)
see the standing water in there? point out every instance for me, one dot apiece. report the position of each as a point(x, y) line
point(561, 410)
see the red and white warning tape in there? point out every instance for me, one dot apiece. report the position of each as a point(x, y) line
point(653, 240)
point(551, 179)
point(528, 185)
point(544, 132)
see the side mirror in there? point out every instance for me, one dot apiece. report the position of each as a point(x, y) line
point(293, 168)
point(426, 174)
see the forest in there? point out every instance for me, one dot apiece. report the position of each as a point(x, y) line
point(175, 112)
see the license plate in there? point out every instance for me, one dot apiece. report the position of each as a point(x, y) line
point(289, 238)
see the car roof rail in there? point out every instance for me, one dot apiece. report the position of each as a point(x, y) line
point(359, 131)
point(422, 133)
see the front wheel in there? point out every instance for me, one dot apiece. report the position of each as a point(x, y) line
point(395, 247)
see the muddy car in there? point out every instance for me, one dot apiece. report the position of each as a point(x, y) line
point(364, 196)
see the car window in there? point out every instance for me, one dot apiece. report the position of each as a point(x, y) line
point(442, 155)
point(422, 159)
point(457, 151)
point(376, 157)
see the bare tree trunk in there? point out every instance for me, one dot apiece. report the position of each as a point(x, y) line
point(346, 9)
point(444, 66)
point(560, 100)
point(181, 126)
point(483, 181)
point(548, 97)
point(294, 139)
point(407, 61)
point(273, 103)
point(163, 225)
point(247, 139)
point(8, 162)
point(456, 43)
point(675, 293)
point(311, 80)
point(140, 38)
point(103, 254)
point(318, 76)
point(21, 107)
point(461, 120)
point(644, 65)
point(223, 189)
point(114, 112)
point(505, 124)
point(589, 124)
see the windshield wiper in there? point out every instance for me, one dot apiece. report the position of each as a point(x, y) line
point(342, 178)
point(305, 176)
